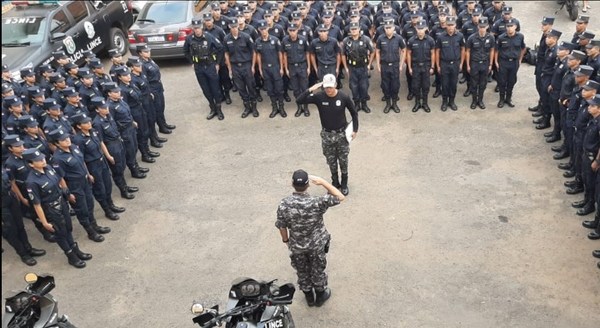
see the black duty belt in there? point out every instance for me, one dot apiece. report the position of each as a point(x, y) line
point(326, 65)
point(508, 59)
point(422, 63)
point(56, 204)
point(449, 61)
point(298, 63)
point(390, 63)
point(480, 61)
point(240, 63)
point(340, 130)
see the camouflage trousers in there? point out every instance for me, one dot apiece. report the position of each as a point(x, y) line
point(310, 268)
point(336, 149)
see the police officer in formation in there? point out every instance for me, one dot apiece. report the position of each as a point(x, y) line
point(420, 58)
point(450, 55)
point(204, 52)
point(546, 26)
point(390, 52)
point(479, 60)
point(270, 64)
point(510, 49)
point(296, 58)
point(302, 229)
point(357, 56)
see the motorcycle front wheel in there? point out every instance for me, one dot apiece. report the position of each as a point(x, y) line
point(573, 10)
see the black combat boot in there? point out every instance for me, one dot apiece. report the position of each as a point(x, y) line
point(108, 212)
point(335, 180)
point(247, 109)
point(274, 108)
point(417, 105)
point(322, 296)
point(344, 184)
point(365, 107)
point(125, 193)
point(410, 95)
point(395, 107)
point(138, 174)
point(146, 158)
point(93, 234)
point(424, 105)
point(213, 112)
point(74, 260)
point(388, 106)
point(310, 297)
point(281, 108)
point(539, 113)
point(501, 101)
point(115, 208)
point(437, 92)
point(444, 106)
point(306, 111)
point(227, 97)
point(357, 106)
point(452, 104)
point(99, 229)
point(474, 102)
point(480, 100)
point(536, 107)
point(587, 209)
point(219, 112)
point(286, 97)
point(259, 98)
point(577, 188)
point(544, 124)
point(508, 100)
point(298, 111)
point(254, 110)
point(592, 224)
point(80, 254)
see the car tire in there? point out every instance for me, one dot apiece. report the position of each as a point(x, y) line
point(118, 40)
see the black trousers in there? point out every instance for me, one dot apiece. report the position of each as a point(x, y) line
point(209, 80)
point(81, 188)
point(507, 76)
point(449, 78)
point(478, 76)
point(117, 151)
point(130, 143)
point(244, 80)
point(298, 77)
point(13, 229)
point(102, 186)
point(390, 80)
point(421, 79)
point(273, 81)
point(58, 215)
point(589, 176)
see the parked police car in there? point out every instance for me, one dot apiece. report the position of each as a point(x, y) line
point(32, 30)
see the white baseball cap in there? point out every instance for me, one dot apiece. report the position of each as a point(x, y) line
point(329, 81)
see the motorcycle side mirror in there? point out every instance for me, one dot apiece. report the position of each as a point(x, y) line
point(31, 278)
point(286, 292)
point(197, 308)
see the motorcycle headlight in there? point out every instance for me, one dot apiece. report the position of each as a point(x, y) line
point(197, 308)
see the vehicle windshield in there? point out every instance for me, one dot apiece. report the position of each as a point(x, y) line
point(18, 31)
point(164, 12)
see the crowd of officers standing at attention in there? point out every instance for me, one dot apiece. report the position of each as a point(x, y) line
point(68, 134)
point(282, 46)
point(568, 83)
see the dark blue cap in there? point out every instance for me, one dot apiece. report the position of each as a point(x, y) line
point(564, 45)
point(70, 92)
point(99, 102)
point(70, 65)
point(206, 16)
point(57, 135)
point(134, 61)
point(13, 140)
point(45, 68)
point(594, 101)
point(35, 91)
point(142, 47)
point(451, 20)
point(292, 27)
point(507, 9)
point(477, 11)
point(267, 13)
point(13, 101)
point(33, 155)
point(592, 85)
point(262, 25)
point(587, 35)
point(511, 22)
point(300, 178)
point(51, 103)
point(59, 55)
point(576, 54)
point(111, 87)
point(584, 70)
point(6, 87)
point(28, 71)
point(88, 54)
point(322, 28)
point(555, 33)
point(121, 71)
point(56, 77)
point(583, 19)
point(548, 20)
point(95, 63)
point(114, 53)
point(80, 118)
point(85, 73)
point(421, 25)
point(27, 121)
point(354, 25)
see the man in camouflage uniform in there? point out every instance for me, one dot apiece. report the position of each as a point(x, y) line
point(300, 223)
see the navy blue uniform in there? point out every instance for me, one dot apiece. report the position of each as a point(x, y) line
point(241, 51)
point(509, 49)
point(450, 48)
point(107, 131)
point(295, 52)
point(479, 61)
point(141, 82)
point(326, 55)
point(133, 97)
point(269, 51)
point(205, 52)
point(13, 229)
point(152, 71)
point(420, 61)
point(357, 52)
point(121, 114)
point(591, 145)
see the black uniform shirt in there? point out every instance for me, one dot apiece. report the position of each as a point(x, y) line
point(389, 48)
point(240, 49)
point(121, 113)
point(152, 71)
point(89, 145)
point(450, 46)
point(480, 47)
point(548, 62)
point(106, 127)
point(325, 52)
point(332, 111)
point(295, 50)
point(43, 188)
point(510, 47)
point(591, 140)
point(269, 50)
point(69, 164)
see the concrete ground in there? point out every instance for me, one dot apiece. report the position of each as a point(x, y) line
point(455, 219)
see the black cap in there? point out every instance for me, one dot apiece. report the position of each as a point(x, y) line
point(205, 16)
point(27, 121)
point(233, 24)
point(13, 101)
point(296, 15)
point(593, 43)
point(111, 87)
point(88, 54)
point(451, 20)
point(215, 6)
point(121, 71)
point(262, 25)
point(33, 155)
point(51, 103)
point(300, 178)
point(421, 25)
point(583, 19)
point(564, 45)
point(99, 102)
point(414, 14)
point(592, 85)
point(477, 11)
point(267, 13)
point(483, 22)
point(507, 9)
point(95, 63)
point(70, 65)
point(584, 70)
point(328, 14)
point(56, 78)
point(6, 87)
point(322, 28)
point(134, 61)
point(576, 54)
point(594, 101)
point(142, 47)
point(84, 73)
point(45, 68)
point(555, 33)
point(59, 55)
point(57, 135)
point(354, 25)
point(114, 53)
point(70, 92)
point(511, 22)
point(28, 71)
point(388, 23)
point(548, 20)
point(35, 91)
point(80, 118)
point(13, 140)
point(292, 27)
point(587, 35)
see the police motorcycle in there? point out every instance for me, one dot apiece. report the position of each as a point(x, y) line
point(572, 8)
point(34, 307)
point(251, 304)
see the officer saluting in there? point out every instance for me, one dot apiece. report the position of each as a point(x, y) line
point(357, 56)
point(204, 51)
point(332, 105)
point(479, 58)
